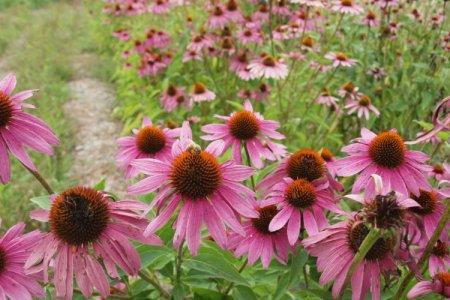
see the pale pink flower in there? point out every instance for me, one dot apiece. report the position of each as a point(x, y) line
point(218, 18)
point(247, 36)
point(362, 105)
point(262, 93)
point(208, 191)
point(440, 284)
point(15, 247)
point(200, 93)
point(248, 129)
point(191, 55)
point(259, 241)
point(160, 7)
point(268, 67)
point(326, 99)
point(174, 97)
point(348, 91)
point(19, 129)
point(88, 234)
point(121, 34)
point(149, 141)
point(200, 42)
point(346, 7)
point(439, 260)
point(340, 59)
point(232, 11)
point(387, 155)
point(370, 19)
point(440, 171)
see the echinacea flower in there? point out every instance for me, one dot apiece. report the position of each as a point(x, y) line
point(440, 284)
point(362, 105)
point(218, 18)
point(268, 67)
point(329, 159)
point(247, 36)
point(348, 91)
point(312, 3)
point(174, 97)
point(339, 59)
point(200, 42)
point(248, 129)
point(259, 241)
point(370, 19)
point(232, 11)
point(87, 228)
point(387, 155)
point(304, 164)
point(326, 99)
point(346, 7)
point(301, 204)
point(200, 93)
point(440, 171)
point(160, 7)
point(19, 129)
point(430, 211)
point(15, 247)
point(439, 260)
point(150, 141)
point(208, 191)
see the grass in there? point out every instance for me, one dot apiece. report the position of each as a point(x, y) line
point(39, 45)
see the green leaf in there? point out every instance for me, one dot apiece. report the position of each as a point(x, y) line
point(42, 201)
point(214, 263)
point(241, 292)
point(155, 256)
point(295, 266)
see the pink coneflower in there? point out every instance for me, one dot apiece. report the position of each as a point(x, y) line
point(200, 42)
point(247, 129)
point(160, 7)
point(157, 39)
point(362, 105)
point(281, 8)
point(303, 20)
point(149, 141)
point(262, 93)
point(440, 284)
point(262, 14)
point(386, 3)
point(232, 11)
point(200, 93)
point(15, 247)
point(245, 94)
point(346, 7)
point(19, 129)
point(191, 55)
point(326, 99)
point(302, 204)
point(311, 3)
point(387, 155)
point(174, 97)
point(239, 62)
point(340, 59)
point(217, 18)
point(348, 91)
point(209, 192)
point(121, 34)
point(304, 164)
point(430, 211)
point(440, 171)
point(259, 241)
point(370, 19)
point(439, 260)
point(86, 226)
point(247, 36)
point(268, 66)
point(307, 43)
point(335, 248)
point(376, 72)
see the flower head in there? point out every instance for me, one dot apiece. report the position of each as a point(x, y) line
point(387, 155)
point(174, 97)
point(200, 93)
point(248, 129)
point(336, 246)
point(340, 59)
point(362, 105)
point(19, 129)
point(302, 204)
point(346, 7)
point(259, 241)
point(440, 284)
point(86, 226)
point(208, 191)
point(15, 247)
point(268, 66)
point(149, 141)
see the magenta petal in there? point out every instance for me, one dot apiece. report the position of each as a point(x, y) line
point(97, 276)
point(293, 228)
point(163, 217)
point(5, 166)
point(193, 226)
point(8, 83)
point(280, 218)
point(81, 276)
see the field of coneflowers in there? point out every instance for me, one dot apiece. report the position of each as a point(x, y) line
point(225, 149)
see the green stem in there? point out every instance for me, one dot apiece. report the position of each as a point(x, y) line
point(41, 180)
point(179, 261)
point(230, 286)
point(371, 238)
point(153, 281)
point(249, 164)
point(426, 254)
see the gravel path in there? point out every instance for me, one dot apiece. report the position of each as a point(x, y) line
point(90, 109)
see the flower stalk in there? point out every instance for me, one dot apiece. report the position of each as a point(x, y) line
point(153, 281)
point(41, 180)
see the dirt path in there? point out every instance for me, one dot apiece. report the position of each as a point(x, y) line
point(96, 131)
